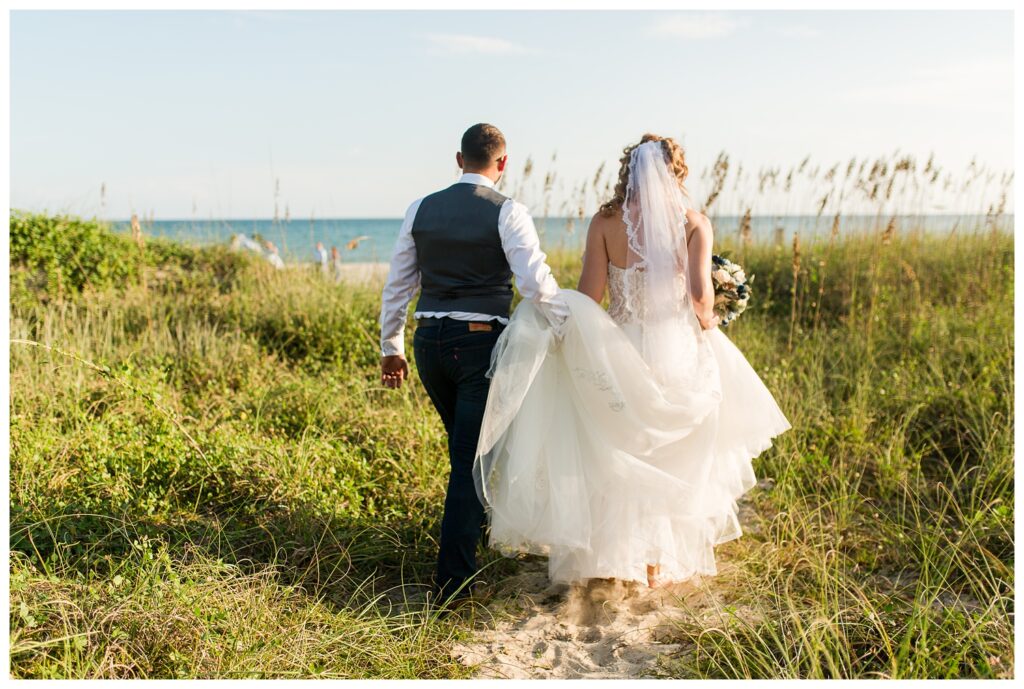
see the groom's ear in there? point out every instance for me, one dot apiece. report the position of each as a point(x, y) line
point(458, 159)
point(502, 162)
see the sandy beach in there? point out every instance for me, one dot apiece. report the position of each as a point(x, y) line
point(356, 272)
point(364, 272)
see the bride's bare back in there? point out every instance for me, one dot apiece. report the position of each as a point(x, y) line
point(607, 243)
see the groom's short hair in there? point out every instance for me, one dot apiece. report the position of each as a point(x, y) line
point(482, 144)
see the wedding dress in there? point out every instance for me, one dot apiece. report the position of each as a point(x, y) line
point(625, 438)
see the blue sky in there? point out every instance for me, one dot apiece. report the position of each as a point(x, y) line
point(357, 113)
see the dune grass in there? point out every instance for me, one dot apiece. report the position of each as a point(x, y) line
point(207, 479)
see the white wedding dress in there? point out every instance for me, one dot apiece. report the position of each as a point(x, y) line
point(591, 456)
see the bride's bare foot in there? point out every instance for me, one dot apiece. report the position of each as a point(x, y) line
point(654, 579)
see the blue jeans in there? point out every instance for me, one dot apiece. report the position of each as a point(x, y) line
point(452, 361)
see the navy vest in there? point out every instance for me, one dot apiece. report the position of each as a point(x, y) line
point(458, 250)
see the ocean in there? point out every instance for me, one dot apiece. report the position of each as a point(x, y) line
point(296, 239)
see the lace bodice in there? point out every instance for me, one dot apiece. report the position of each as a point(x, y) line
point(626, 295)
point(618, 304)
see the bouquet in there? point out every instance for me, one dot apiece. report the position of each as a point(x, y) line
point(731, 289)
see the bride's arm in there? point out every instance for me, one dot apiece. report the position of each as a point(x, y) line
point(698, 270)
point(594, 277)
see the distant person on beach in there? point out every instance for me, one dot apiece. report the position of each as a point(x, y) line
point(272, 255)
point(336, 263)
point(321, 257)
point(137, 231)
point(240, 241)
point(353, 244)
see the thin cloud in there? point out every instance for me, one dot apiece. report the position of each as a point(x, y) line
point(480, 45)
point(798, 31)
point(699, 26)
point(973, 84)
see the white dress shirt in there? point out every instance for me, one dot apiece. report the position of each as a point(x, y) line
point(522, 249)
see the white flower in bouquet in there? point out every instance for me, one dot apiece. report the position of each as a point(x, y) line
point(722, 276)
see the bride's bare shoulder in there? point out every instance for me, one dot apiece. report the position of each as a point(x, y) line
point(697, 219)
point(605, 225)
point(601, 220)
point(697, 222)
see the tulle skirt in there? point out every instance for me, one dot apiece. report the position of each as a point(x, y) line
point(584, 458)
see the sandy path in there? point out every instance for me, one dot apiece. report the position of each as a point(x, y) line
point(606, 629)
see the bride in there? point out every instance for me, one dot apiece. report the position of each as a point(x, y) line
point(618, 444)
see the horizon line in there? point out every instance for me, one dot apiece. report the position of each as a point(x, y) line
point(536, 217)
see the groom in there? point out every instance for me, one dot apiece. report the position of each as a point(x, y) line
point(461, 246)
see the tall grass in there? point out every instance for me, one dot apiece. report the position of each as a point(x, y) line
point(208, 481)
point(895, 184)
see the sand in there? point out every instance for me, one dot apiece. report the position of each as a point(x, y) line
point(364, 272)
point(367, 272)
point(605, 629)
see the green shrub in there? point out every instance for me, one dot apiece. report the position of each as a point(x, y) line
point(63, 255)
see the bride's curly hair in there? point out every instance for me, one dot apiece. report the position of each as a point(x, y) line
point(673, 154)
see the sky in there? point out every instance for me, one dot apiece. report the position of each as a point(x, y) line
point(357, 113)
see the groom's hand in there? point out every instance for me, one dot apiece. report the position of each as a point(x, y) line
point(393, 370)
